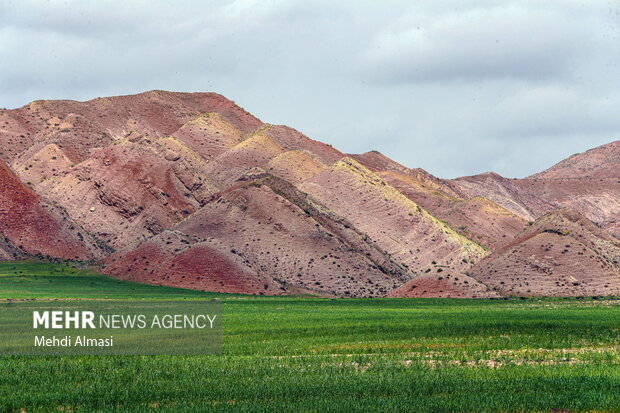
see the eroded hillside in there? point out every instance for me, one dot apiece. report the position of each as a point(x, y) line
point(189, 189)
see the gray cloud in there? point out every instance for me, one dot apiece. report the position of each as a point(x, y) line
point(510, 39)
point(454, 87)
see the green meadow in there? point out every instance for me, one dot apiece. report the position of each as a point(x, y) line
point(331, 355)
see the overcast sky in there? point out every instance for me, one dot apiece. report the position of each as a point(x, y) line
point(456, 87)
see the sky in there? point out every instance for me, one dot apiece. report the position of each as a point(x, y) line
point(457, 87)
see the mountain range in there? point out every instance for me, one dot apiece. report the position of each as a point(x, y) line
point(190, 190)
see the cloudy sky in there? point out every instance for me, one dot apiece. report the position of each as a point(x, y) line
point(456, 87)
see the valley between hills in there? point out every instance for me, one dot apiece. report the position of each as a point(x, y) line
point(190, 190)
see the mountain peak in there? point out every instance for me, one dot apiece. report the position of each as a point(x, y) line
point(599, 162)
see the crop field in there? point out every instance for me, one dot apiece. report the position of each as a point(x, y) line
point(331, 355)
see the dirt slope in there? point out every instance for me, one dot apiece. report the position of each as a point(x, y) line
point(269, 228)
point(599, 162)
point(399, 226)
point(596, 198)
point(504, 192)
point(176, 259)
point(561, 254)
point(476, 217)
point(30, 225)
point(444, 284)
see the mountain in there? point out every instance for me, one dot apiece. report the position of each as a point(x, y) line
point(600, 162)
point(504, 192)
point(189, 189)
point(596, 198)
point(588, 182)
point(561, 254)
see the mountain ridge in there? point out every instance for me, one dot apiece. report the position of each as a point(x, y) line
point(190, 189)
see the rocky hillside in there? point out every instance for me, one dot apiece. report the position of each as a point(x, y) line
point(188, 189)
point(560, 254)
point(601, 162)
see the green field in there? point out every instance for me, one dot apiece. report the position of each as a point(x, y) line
point(324, 355)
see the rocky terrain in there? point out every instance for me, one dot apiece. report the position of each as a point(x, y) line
point(188, 189)
point(562, 253)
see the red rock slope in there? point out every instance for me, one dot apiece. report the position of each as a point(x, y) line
point(30, 225)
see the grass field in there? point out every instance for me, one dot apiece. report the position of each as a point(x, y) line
point(331, 355)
